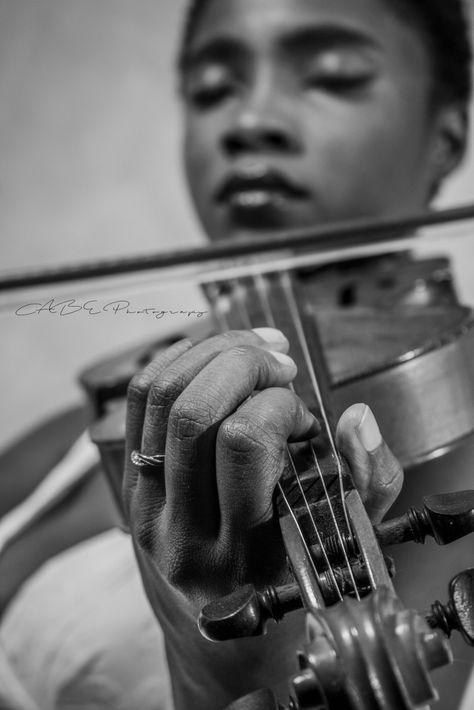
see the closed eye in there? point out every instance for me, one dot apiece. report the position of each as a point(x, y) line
point(340, 71)
point(339, 82)
point(208, 85)
point(205, 98)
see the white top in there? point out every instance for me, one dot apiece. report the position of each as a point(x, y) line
point(80, 632)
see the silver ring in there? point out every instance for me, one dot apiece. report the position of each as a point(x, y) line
point(139, 459)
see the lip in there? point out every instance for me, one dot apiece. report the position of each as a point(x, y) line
point(258, 186)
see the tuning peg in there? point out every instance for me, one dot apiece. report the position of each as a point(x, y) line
point(246, 611)
point(446, 517)
point(458, 613)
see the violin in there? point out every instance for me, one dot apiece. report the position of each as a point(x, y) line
point(364, 649)
point(388, 331)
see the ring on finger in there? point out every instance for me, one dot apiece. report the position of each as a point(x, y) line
point(139, 459)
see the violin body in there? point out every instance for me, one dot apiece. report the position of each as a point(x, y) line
point(394, 337)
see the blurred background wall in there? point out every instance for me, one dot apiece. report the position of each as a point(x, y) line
point(90, 167)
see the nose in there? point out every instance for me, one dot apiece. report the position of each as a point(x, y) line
point(261, 125)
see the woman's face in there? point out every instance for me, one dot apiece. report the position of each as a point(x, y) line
point(300, 112)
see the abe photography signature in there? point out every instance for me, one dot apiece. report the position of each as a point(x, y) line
point(93, 307)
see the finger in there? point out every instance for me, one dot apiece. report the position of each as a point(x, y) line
point(159, 386)
point(137, 395)
point(148, 403)
point(214, 394)
point(377, 474)
point(251, 455)
point(167, 385)
point(170, 383)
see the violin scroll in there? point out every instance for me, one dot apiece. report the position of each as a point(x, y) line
point(375, 654)
point(396, 646)
point(368, 655)
point(371, 654)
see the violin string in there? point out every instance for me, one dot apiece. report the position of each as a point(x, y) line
point(293, 306)
point(212, 292)
point(246, 319)
point(319, 538)
point(302, 536)
point(238, 300)
point(341, 541)
point(267, 309)
point(243, 310)
point(214, 296)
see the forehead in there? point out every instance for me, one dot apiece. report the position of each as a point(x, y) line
point(262, 20)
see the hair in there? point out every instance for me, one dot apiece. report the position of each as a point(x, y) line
point(443, 23)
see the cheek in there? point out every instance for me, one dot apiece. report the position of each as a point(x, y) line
point(193, 161)
point(374, 156)
point(200, 154)
point(201, 161)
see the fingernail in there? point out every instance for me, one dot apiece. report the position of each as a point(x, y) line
point(285, 360)
point(368, 431)
point(272, 336)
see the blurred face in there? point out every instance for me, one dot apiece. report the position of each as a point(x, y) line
point(300, 112)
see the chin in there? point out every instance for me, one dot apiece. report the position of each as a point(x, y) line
point(257, 223)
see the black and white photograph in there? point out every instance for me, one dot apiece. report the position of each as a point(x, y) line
point(237, 360)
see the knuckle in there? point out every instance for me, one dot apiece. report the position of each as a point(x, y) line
point(141, 382)
point(253, 356)
point(138, 386)
point(158, 547)
point(189, 419)
point(241, 350)
point(176, 573)
point(181, 564)
point(231, 335)
point(185, 344)
point(251, 360)
point(241, 435)
point(164, 390)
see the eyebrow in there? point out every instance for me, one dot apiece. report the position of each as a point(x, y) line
point(327, 35)
point(220, 48)
point(302, 39)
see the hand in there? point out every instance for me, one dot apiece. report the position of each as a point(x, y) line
point(377, 474)
point(203, 523)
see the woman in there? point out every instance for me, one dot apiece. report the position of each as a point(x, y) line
point(297, 112)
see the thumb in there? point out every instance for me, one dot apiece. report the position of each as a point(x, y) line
point(377, 474)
